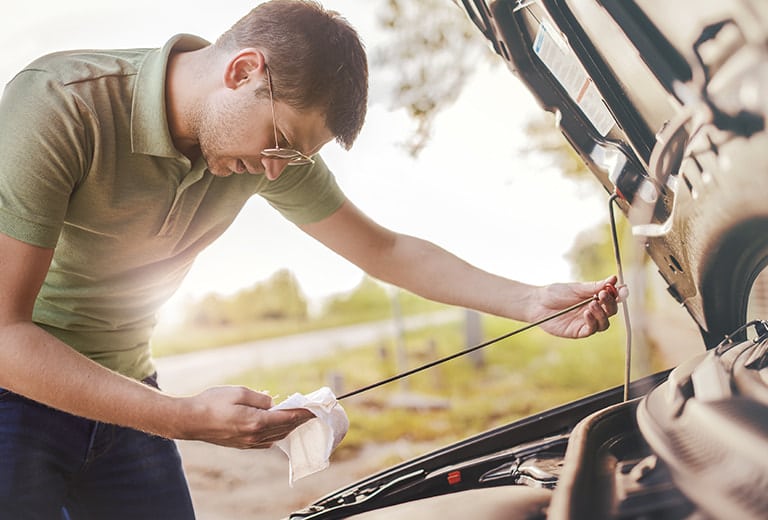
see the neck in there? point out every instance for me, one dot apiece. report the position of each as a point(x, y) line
point(184, 94)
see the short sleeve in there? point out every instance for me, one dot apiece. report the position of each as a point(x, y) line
point(43, 155)
point(305, 194)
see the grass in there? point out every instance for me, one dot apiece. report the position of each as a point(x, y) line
point(521, 376)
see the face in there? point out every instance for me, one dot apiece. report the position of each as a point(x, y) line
point(234, 127)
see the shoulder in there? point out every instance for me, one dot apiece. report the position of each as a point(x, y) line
point(79, 66)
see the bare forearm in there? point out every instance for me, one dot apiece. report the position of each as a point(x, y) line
point(37, 365)
point(429, 271)
point(434, 273)
point(426, 269)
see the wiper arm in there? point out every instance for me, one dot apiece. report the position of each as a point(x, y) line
point(355, 497)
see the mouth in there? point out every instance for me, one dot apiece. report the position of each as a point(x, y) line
point(240, 167)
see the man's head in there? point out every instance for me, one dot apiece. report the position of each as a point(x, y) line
point(315, 58)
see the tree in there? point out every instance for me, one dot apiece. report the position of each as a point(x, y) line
point(431, 50)
point(549, 141)
point(277, 298)
point(369, 298)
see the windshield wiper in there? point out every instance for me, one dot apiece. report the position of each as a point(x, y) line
point(354, 498)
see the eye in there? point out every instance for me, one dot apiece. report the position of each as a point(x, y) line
point(283, 141)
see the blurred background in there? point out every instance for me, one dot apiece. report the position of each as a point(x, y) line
point(454, 150)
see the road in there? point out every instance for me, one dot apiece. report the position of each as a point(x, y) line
point(185, 374)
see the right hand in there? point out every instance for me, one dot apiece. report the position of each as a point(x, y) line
point(236, 417)
point(582, 323)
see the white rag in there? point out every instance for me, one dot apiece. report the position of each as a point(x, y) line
point(309, 446)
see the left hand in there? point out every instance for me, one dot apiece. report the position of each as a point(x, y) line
point(583, 321)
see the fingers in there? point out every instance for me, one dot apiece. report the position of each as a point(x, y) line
point(283, 422)
point(611, 280)
point(590, 324)
point(264, 427)
point(596, 317)
point(597, 313)
point(238, 417)
point(607, 301)
point(622, 292)
point(275, 425)
point(608, 298)
point(301, 415)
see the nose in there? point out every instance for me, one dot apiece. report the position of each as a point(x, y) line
point(273, 168)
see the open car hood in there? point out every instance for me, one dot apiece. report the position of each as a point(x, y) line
point(665, 102)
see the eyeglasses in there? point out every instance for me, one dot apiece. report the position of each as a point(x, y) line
point(293, 157)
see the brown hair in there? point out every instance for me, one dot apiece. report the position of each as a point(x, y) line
point(315, 58)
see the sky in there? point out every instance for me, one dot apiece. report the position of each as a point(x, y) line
point(471, 190)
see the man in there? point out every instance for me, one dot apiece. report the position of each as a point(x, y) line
point(116, 169)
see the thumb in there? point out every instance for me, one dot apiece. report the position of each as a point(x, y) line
point(590, 289)
point(622, 291)
point(255, 399)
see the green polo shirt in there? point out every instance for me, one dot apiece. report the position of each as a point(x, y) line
point(87, 167)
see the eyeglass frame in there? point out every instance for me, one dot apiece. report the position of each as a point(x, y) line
point(294, 157)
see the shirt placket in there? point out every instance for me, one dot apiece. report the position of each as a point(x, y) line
point(176, 214)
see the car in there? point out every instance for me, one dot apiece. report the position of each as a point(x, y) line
point(666, 104)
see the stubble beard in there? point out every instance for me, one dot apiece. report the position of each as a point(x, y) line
point(211, 127)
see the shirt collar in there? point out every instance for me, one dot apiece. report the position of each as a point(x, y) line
point(149, 121)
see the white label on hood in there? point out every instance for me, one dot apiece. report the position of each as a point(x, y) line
point(555, 53)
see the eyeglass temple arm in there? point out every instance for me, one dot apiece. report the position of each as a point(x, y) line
point(272, 105)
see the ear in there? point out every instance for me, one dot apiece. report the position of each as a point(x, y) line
point(244, 68)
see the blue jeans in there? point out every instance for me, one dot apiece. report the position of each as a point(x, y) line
point(56, 466)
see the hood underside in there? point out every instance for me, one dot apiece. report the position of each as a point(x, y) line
point(665, 104)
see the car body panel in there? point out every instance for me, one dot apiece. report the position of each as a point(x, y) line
point(665, 102)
